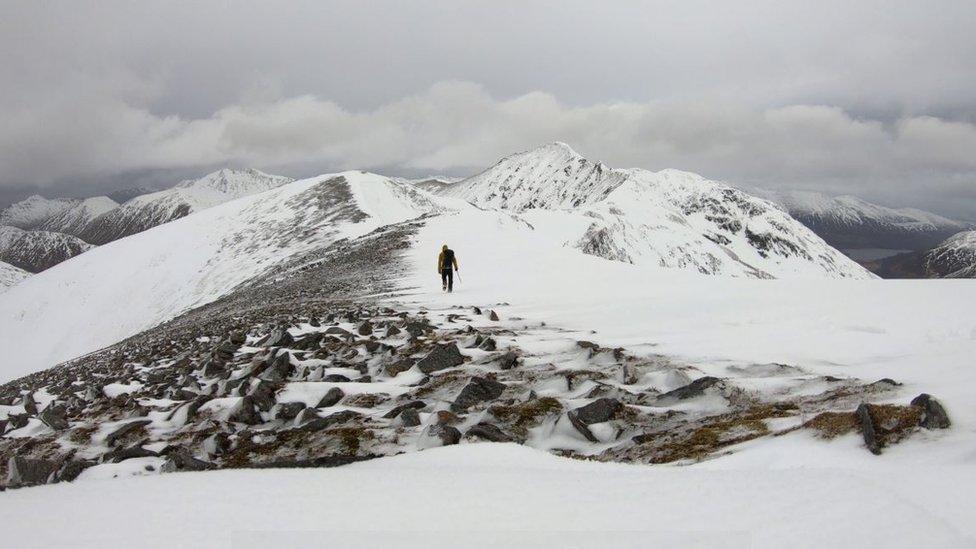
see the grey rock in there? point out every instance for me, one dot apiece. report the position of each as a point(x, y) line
point(441, 357)
point(492, 315)
point(336, 378)
point(263, 395)
point(598, 411)
point(365, 329)
point(30, 405)
point(448, 434)
point(331, 398)
point(279, 337)
point(868, 429)
point(29, 472)
point(124, 430)
point(245, 412)
point(55, 417)
point(693, 389)
point(410, 417)
point(488, 344)
point(401, 365)
point(487, 431)
point(330, 420)
point(477, 390)
point(476, 310)
point(280, 368)
point(583, 429)
point(415, 404)
point(181, 459)
point(71, 469)
point(508, 360)
point(289, 410)
point(934, 415)
point(134, 451)
point(392, 330)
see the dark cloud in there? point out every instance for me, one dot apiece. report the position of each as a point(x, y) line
point(872, 99)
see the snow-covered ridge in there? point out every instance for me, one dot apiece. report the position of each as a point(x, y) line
point(669, 218)
point(954, 258)
point(74, 308)
point(75, 220)
point(10, 275)
point(34, 210)
point(149, 210)
point(34, 251)
point(852, 222)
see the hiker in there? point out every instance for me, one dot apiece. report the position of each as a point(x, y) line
point(444, 262)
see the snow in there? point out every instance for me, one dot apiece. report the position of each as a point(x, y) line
point(10, 275)
point(919, 332)
point(121, 288)
point(33, 211)
point(489, 494)
point(669, 218)
point(852, 210)
point(956, 257)
point(36, 250)
point(75, 219)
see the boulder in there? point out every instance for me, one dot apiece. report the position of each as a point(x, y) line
point(30, 405)
point(134, 451)
point(392, 330)
point(476, 310)
point(598, 411)
point(263, 395)
point(934, 415)
point(479, 389)
point(583, 429)
point(415, 404)
point(330, 420)
point(868, 429)
point(29, 472)
point(401, 365)
point(365, 329)
point(331, 398)
point(55, 417)
point(279, 337)
point(336, 378)
point(440, 358)
point(181, 459)
point(487, 431)
point(410, 417)
point(71, 469)
point(245, 412)
point(492, 315)
point(446, 434)
point(125, 429)
point(507, 361)
point(289, 410)
point(306, 415)
point(280, 368)
point(693, 389)
point(488, 344)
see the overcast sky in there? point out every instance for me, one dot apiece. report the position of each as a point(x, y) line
point(868, 98)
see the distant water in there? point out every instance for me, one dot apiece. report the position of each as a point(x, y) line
point(871, 254)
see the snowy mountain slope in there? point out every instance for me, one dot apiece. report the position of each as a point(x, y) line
point(75, 220)
point(34, 210)
point(75, 307)
point(35, 251)
point(433, 184)
point(848, 222)
point(670, 218)
point(954, 258)
point(10, 275)
point(149, 210)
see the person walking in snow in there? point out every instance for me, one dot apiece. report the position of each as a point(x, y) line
point(444, 263)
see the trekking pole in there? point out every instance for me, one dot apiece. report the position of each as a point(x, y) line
point(459, 276)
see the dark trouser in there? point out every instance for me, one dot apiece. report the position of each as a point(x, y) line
point(447, 277)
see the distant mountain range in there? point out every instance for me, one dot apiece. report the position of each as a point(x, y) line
point(38, 233)
point(848, 222)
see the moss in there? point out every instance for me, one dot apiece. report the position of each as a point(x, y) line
point(352, 437)
point(832, 424)
point(526, 415)
point(82, 435)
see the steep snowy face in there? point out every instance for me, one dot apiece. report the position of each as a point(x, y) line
point(76, 219)
point(167, 270)
point(954, 258)
point(10, 275)
point(553, 176)
point(35, 251)
point(670, 218)
point(34, 210)
point(149, 210)
point(851, 222)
